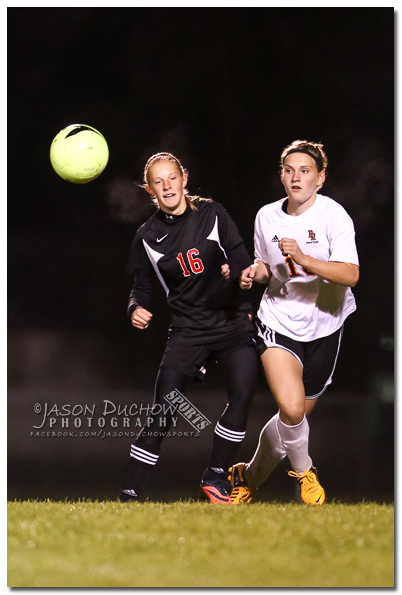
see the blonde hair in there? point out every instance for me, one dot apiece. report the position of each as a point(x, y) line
point(315, 150)
point(164, 156)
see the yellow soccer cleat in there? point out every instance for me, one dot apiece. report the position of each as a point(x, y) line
point(312, 491)
point(240, 493)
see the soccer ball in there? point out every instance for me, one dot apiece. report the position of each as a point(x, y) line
point(79, 153)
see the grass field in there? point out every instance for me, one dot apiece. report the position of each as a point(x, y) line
point(194, 544)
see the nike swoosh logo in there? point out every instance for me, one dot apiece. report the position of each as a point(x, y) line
point(162, 238)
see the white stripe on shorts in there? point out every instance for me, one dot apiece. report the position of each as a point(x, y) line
point(329, 381)
point(269, 337)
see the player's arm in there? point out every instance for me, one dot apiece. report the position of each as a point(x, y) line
point(237, 255)
point(344, 273)
point(258, 272)
point(140, 293)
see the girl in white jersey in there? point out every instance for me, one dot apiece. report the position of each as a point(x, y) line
point(305, 253)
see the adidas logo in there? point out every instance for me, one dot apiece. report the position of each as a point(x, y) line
point(275, 239)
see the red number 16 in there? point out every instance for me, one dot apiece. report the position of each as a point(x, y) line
point(195, 263)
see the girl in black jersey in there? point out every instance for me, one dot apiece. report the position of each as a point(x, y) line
point(196, 252)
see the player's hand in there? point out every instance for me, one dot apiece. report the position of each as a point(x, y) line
point(141, 318)
point(291, 248)
point(225, 270)
point(247, 276)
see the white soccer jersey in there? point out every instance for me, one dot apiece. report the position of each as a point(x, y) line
point(297, 303)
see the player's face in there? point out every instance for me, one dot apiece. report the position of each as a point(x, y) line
point(301, 179)
point(166, 183)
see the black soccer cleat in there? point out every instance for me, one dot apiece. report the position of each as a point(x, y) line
point(128, 496)
point(216, 491)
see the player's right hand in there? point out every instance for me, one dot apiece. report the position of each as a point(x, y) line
point(247, 276)
point(141, 318)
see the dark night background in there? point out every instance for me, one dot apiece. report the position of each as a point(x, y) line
point(225, 89)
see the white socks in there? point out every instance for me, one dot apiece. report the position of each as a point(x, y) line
point(269, 453)
point(276, 441)
point(295, 442)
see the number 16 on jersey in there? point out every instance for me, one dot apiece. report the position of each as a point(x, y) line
point(195, 264)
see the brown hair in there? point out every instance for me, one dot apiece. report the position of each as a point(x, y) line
point(163, 156)
point(315, 150)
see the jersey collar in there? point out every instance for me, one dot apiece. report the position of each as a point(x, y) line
point(172, 219)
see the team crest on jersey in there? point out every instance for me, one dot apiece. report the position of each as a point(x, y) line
point(311, 237)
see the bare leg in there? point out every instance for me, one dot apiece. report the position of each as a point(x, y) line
point(286, 433)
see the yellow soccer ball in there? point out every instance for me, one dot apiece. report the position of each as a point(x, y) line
point(79, 153)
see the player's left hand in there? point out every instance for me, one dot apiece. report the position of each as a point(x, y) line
point(291, 248)
point(225, 270)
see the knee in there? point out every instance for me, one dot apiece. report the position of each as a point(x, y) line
point(291, 416)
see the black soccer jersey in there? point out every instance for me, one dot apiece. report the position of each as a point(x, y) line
point(186, 253)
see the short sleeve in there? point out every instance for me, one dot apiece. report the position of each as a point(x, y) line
point(259, 243)
point(341, 233)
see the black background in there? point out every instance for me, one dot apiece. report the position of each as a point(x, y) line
point(225, 89)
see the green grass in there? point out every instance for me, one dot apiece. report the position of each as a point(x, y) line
point(194, 544)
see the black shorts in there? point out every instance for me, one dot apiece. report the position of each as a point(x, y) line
point(190, 356)
point(318, 357)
